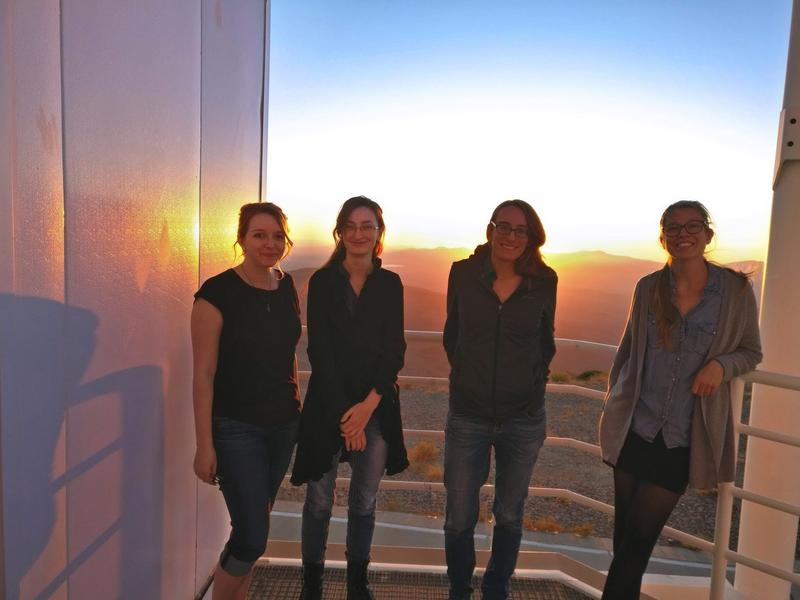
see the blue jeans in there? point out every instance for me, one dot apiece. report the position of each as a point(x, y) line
point(367, 468)
point(468, 444)
point(251, 463)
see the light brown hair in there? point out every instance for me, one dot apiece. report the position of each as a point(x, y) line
point(345, 211)
point(667, 316)
point(250, 210)
point(531, 261)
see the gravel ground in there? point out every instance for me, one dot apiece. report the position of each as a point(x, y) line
point(568, 415)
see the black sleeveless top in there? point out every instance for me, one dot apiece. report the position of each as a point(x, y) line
point(255, 380)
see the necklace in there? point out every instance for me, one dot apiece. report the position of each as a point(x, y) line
point(247, 279)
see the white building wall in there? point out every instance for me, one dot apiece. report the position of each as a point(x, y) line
point(233, 46)
point(122, 165)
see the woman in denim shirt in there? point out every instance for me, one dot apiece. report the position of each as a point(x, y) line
point(356, 347)
point(667, 421)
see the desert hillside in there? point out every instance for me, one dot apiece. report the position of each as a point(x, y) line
point(594, 293)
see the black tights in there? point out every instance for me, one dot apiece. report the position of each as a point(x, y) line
point(641, 509)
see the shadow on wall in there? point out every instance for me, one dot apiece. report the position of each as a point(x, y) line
point(82, 461)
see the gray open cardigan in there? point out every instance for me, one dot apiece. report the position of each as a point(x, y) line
point(736, 346)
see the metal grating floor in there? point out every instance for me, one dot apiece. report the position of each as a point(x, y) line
point(283, 582)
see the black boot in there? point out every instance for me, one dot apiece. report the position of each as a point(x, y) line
point(357, 584)
point(312, 581)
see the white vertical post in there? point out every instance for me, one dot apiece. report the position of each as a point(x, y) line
point(722, 538)
point(722, 526)
point(771, 468)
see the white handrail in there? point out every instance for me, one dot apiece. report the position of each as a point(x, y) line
point(418, 334)
point(719, 549)
point(787, 507)
point(728, 491)
point(766, 434)
point(781, 380)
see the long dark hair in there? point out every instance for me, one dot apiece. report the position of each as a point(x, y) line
point(250, 210)
point(531, 261)
point(345, 211)
point(667, 316)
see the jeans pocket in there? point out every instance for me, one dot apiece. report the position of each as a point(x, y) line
point(226, 429)
point(537, 415)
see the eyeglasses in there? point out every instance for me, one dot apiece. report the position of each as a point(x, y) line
point(674, 229)
point(351, 228)
point(505, 229)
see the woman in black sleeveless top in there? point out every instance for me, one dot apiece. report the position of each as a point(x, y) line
point(245, 327)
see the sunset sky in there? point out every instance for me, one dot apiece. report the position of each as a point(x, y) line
point(598, 113)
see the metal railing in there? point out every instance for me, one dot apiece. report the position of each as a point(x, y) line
point(726, 492)
point(719, 548)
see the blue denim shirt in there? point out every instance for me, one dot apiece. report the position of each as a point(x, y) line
point(667, 402)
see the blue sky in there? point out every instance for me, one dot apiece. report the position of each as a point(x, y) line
point(598, 113)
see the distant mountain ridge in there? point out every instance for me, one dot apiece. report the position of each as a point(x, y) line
point(594, 288)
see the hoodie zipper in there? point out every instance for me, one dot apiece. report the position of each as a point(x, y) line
point(496, 352)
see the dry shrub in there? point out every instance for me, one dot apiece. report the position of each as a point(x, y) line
point(588, 375)
point(485, 513)
point(559, 377)
point(433, 472)
point(582, 529)
point(593, 376)
point(545, 524)
point(393, 505)
point(423, 452)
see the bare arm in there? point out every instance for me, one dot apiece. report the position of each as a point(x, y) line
point(206, 326)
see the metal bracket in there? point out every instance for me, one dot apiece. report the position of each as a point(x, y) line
point(788, 140)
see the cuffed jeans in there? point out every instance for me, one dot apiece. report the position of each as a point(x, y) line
point(468, 444)
point(367, 468)
point(251, 464)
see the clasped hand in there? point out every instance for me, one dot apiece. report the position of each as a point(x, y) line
point(354, 421)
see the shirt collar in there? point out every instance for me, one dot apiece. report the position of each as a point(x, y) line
point(714, 283)
point(488, 274)
point(376, 263)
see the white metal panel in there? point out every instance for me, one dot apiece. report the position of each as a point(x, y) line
point(36, 148)
point(6, 154)
point(233, 55)
point(771, 468)
point(131, 146)
point(32, 368)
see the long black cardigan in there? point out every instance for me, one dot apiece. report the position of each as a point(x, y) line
point(350, 354)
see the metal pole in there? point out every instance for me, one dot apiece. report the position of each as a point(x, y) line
point(722, 526)
point(722, 538)
point(263, 109)
point(771, 468)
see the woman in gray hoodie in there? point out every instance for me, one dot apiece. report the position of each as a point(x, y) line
point(667, 421)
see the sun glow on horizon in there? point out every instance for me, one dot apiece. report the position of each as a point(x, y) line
point(599, 144)
point(598, 176)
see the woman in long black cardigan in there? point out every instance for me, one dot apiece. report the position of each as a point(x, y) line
point(351, 411)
